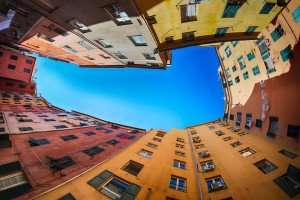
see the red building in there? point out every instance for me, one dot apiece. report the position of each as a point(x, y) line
point(16, 66)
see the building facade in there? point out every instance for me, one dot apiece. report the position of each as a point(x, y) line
point(246, 63)
point(183, 23)
point(107, 33)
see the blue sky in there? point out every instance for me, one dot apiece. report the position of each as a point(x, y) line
point(187, 93)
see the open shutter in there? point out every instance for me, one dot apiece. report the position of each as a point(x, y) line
point(97, 181)
point(131, 192)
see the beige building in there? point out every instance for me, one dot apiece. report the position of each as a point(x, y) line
point(246, 63)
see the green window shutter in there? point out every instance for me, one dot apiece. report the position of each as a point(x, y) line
point(231, 10)
point(296, 14)
point(100, 179)
point(131, 192)
point(266, 9)
point(277, 33)
point(250, 56)
point(286, 53)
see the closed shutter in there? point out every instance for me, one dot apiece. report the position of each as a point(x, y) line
point(97, 181)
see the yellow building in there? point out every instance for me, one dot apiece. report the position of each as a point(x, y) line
point(237, 165)
point(245, 63)
point(191, 22)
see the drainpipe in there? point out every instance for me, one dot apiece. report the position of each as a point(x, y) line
point(195, 164)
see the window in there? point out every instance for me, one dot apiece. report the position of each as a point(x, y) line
point(248, 123)
point(89, 133)
point(277, 33)
point(296, 14)
point(103, 43)
point(14, 57)
point(221, 31)
point(247, 152)
point(258, 123)
point(198, 146)
point(49, 120)
point(60, 126)
point(288, 154)
point(138, 40)
point(85, 45)
point(266, 9)
point(170, 198)
point(68, 48)
point(38, 142)
point(246, 75)
point(237, 79)
point(228, 52)
point(160, 133)
point(250, 56)
point(151, 19)
point(179, 153)
point(255, 70)
point(180, 140)
point(113, 187)
point(60, 163)
point(29, 62)
point(207, 166)
point(241, 62)
point(293, 131)
point(179, 164)
point(234, 43)
point(149, 56)
point(26, 70)
point(133, 167)
point(290, 181)
point(231, 8)
point(203, 154)
point(12, 180)
point(234, 68)
point(251, 29)
point(178, 183)
point(231, 117)
point(120, 55)
point(149, 144)
point(93, 151)
point(180, 146)
point(119, 14)
point(215, 184)
point(79, 26)
point(188, 12)
point(26, 129)
point(188, 36)
point(265, 166)
point(69, 137)
point(60, 31)
point(286, 53)
point(219, 133)
point(227, 138)
point(196, 139)
point(273, 127)
point(144, 153)
point(157, 139)
point(10, 66)
point(1, 53)
point(112, 142)
point(68, 196)
point(169, 39)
